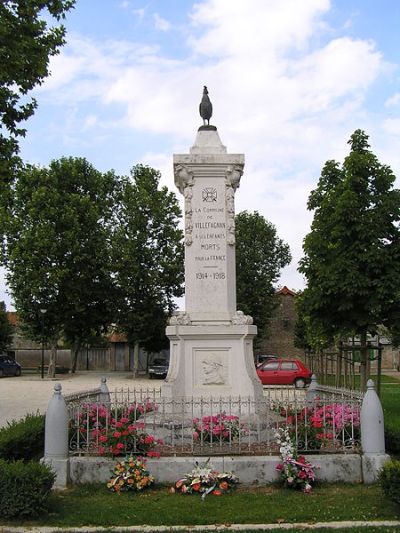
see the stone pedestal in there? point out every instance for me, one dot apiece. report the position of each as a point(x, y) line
point(212, 361)
point(211, 341)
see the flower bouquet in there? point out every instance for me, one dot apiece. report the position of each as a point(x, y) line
point(130, 475)
point(204, 480)
point(295, 471)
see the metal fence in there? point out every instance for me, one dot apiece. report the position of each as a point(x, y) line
point(142, 422)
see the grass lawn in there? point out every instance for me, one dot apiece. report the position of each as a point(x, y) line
point(93, 505)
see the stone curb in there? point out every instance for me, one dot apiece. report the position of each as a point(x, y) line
point(213, 527)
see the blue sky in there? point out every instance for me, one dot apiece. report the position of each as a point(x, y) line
point(290, 80)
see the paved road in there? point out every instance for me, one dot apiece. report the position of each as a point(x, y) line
point(29, 394)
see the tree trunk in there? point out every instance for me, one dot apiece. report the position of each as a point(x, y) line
point(136, 360)
point(364, 360)
point(76, 350)
point(52, 359)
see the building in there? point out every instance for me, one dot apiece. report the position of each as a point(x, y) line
point(280, 341)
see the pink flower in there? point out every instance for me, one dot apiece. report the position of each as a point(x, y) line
point(117, 434)
point(195, 435)
point(101, 450)
point(153, 454)
point(279, 467)
point(124, 420)
point(103, 438)
point(120, 446)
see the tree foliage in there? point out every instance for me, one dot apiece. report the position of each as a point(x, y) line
point(58, 250)
point(352, 254)
point(6, 329)
point(147, 258)
point(260, 256)
point(26, 44)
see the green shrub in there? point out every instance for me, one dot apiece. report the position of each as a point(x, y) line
point(389, 478)
point(24, 488)
point(392, 439)
point(23, 439)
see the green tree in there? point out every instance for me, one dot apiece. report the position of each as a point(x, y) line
point(260, 256)
point(352, 255)
point(6, 329)
point(58, 252)
point(148, 258)
point(26, 44)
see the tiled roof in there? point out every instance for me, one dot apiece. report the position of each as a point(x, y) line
point(285, 291)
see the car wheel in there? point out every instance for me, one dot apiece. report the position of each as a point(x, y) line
point(299, 383)
point(18, 372)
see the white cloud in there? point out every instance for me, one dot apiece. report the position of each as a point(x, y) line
point(161, 23)
point(237, 29)
point(393, 101)
point(392, 126)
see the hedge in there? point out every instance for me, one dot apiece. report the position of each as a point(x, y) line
point(24, 488)
point(389, 479)
point(23, 439)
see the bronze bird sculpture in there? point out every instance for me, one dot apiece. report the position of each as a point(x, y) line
point(205, 107)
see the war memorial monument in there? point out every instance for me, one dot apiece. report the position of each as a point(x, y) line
point(211, 342)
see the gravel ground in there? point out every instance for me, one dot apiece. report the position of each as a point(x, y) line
point(29, 393)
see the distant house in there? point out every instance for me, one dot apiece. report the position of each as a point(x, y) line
point(280, 341)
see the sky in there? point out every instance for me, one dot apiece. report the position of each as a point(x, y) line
point(290, 81)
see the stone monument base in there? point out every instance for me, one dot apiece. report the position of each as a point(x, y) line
point(212, 361)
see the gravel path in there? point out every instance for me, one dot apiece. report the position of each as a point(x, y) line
point(29, 394)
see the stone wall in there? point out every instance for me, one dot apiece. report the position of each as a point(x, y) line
point(281, 333)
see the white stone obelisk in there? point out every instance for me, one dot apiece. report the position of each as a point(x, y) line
point(211, 343)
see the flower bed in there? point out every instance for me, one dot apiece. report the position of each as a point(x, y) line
point(329, 427)
point(218, 428)
point(102, 430)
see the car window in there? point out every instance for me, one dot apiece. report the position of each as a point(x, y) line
point(159, 362)
point(288, 365)
point(271, 365)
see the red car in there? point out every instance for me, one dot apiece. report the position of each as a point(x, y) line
point(284, 372)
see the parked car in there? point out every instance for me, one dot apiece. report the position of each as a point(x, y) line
point(284, 372)
point(158, 369)
point(8, 366)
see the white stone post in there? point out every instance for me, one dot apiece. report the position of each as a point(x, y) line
point(104, 397)
point(312, 392)
point(372, 435)
point(56, 437)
